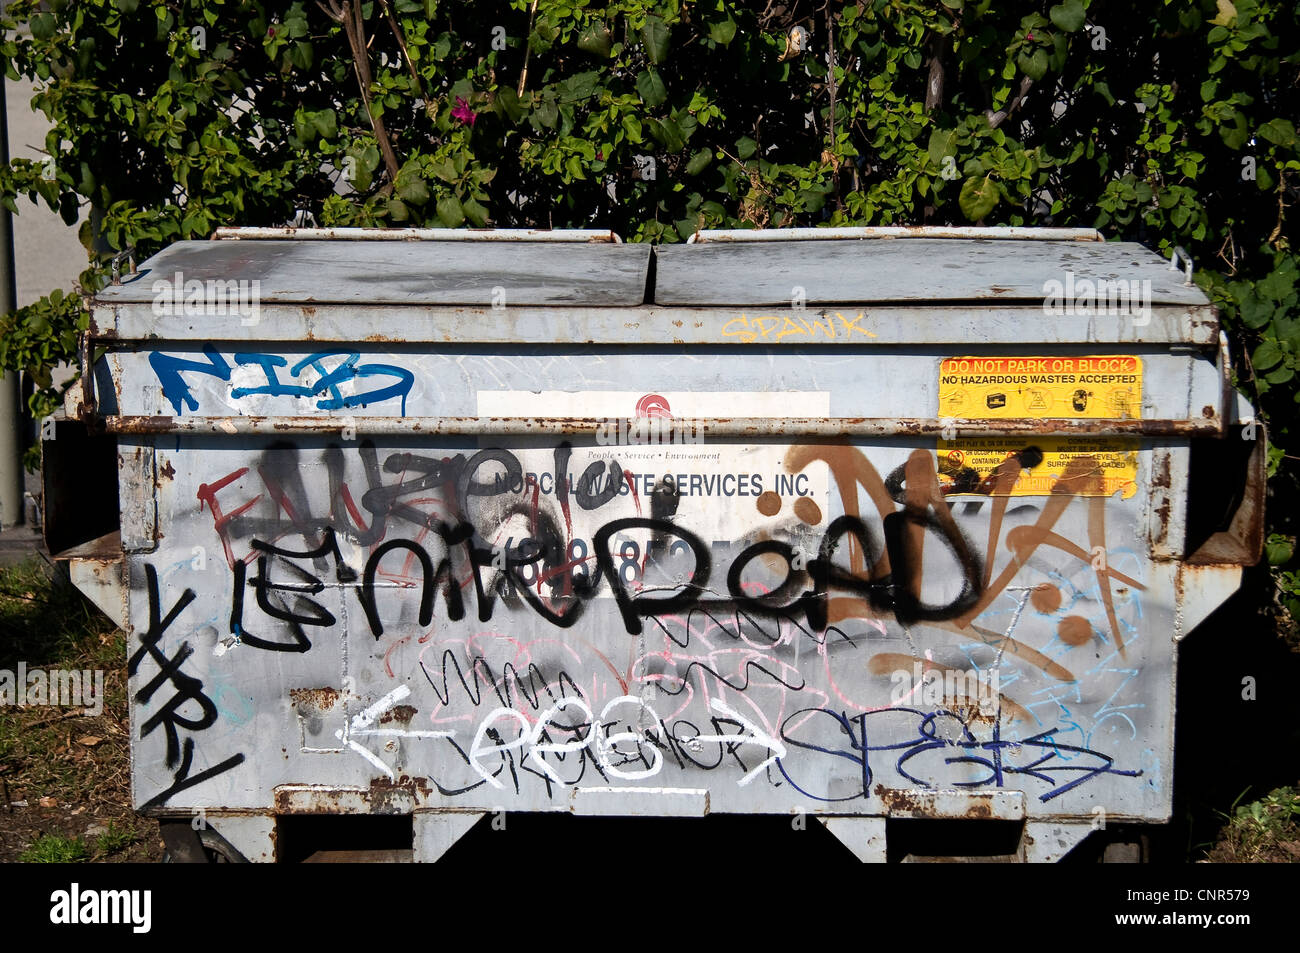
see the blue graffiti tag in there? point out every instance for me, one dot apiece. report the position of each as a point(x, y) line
point(168, 368)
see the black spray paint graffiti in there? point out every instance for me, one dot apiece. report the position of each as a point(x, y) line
point(548, 570)
point(186, 690)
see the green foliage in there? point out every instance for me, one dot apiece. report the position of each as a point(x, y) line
point(115, 839)
point(1171, 125)
point(1267, 830)
point(54, 849)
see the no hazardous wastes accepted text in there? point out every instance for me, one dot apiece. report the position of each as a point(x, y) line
point(1000, 388)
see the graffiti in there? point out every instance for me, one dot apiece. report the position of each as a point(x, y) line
point(187, 691)
point(328, 383)
point(272, 597)
point(549, 618)
point(778, 327)
point(1040, 757)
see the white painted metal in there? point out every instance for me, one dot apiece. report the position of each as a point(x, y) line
point(1031, 233)
point(293, 233)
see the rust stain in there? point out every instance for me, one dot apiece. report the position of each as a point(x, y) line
point(397, 796)
point(167, 471)
point(398, 713)
point(1162, 479)
point(921, 803)
point(318, 698)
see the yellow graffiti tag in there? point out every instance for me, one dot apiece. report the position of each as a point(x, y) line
point(777, 327)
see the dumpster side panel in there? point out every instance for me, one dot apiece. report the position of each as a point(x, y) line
point(533, 624)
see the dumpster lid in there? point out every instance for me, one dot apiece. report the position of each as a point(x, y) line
point(911, 269)
point(402, 272)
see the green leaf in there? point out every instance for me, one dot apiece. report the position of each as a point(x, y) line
point(1256, 313)
point(1068, 16)
point(723, 31)
point(300, 55)
point(667, 133)
point(326, 123)
point(412, 189)
point(548, 113)
point(699, 162)
point(651, 88)
point(1279, 284)
point(1234, 136)
point(1279, 132)
point(596, 40)
point(655, 37)
point(1034, 65)
point(43, 26)
point(476, 213)
point(1227, 13)
point(943, 142)
point(444, 170)
point(508, 100)
point(450, 211)
point(746, 147)
point(1278, 550)
point(1266, 355)
point(978, 197)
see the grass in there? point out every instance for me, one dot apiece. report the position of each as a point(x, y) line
point(70, 768)
point(46, 622)
point(54, 849)
point(115, 839)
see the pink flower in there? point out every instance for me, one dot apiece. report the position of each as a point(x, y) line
point(463, 112)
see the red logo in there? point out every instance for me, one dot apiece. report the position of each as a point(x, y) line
point(652, 405)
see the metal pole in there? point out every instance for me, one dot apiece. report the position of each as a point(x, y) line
point(11, 467)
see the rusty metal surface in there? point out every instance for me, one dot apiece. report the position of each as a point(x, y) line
point(1242, 542)
point(819, 427)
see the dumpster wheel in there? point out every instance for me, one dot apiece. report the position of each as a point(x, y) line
point(184, 845)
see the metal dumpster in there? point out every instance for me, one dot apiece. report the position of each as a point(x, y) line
point(862, 525)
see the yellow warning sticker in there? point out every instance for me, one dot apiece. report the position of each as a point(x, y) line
point(998, 388)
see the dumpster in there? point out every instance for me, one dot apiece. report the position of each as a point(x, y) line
point(864, 526)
